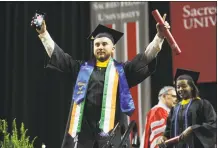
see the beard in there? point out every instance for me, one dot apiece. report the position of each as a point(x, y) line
point(184, 95)
point(102, 57)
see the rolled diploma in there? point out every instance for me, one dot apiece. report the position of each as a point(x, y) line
point(166, 32)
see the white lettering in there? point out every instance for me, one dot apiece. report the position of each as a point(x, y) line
point(212, 20)
point(202, 11)
point(97, 6)
point(127, 4)
point(100, 17)
point(117, 16)
point(137, 13)
point(109, 5)
point(199, 22)
point(112, 5)
point(212, 10)
point(199, 17)
point(206, 22)
point(186, 25)
point(186, 11)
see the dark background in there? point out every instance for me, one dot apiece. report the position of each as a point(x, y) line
point(41, 97)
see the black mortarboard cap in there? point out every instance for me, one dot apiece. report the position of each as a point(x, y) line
point(116, 35)
point(193, 74)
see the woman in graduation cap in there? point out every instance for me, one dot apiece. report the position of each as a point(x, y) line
point(193, 119)
point(101, 94)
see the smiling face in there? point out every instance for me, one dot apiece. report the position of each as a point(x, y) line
point(103, 48)
point(183, 89)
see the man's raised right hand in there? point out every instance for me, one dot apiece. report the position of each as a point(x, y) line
point(43, 28)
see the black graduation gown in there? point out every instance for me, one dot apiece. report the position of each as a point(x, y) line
point(136, 71)
point(201, 117)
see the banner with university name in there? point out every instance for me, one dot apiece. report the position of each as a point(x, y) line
point(131, 18)
point(194, 26)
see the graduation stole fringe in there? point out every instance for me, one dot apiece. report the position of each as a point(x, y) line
point(76, 118)
point(108, 104)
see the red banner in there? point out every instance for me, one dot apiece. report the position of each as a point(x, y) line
point(194, 28)
point(131, 52)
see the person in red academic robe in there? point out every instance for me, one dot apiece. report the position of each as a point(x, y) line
point(156, 118)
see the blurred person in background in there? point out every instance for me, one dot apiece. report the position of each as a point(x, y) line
point(156, 118)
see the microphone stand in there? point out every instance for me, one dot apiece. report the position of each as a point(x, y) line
point(132, 127)
point(112, 135)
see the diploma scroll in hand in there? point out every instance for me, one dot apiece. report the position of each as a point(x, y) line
point(169, 142)
point(166, 32)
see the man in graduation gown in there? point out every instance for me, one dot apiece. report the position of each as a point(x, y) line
point(156, 118)
point(101, 94)
point(193, 119)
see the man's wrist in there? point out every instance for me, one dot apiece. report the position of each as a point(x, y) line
point(42, 35)
point(160, 36)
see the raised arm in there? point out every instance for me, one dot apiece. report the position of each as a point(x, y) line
point(46, 39)
point(59, 60)
point(155, 46)
point(144, 64)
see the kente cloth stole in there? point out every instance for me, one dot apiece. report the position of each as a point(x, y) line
point(114, 74)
